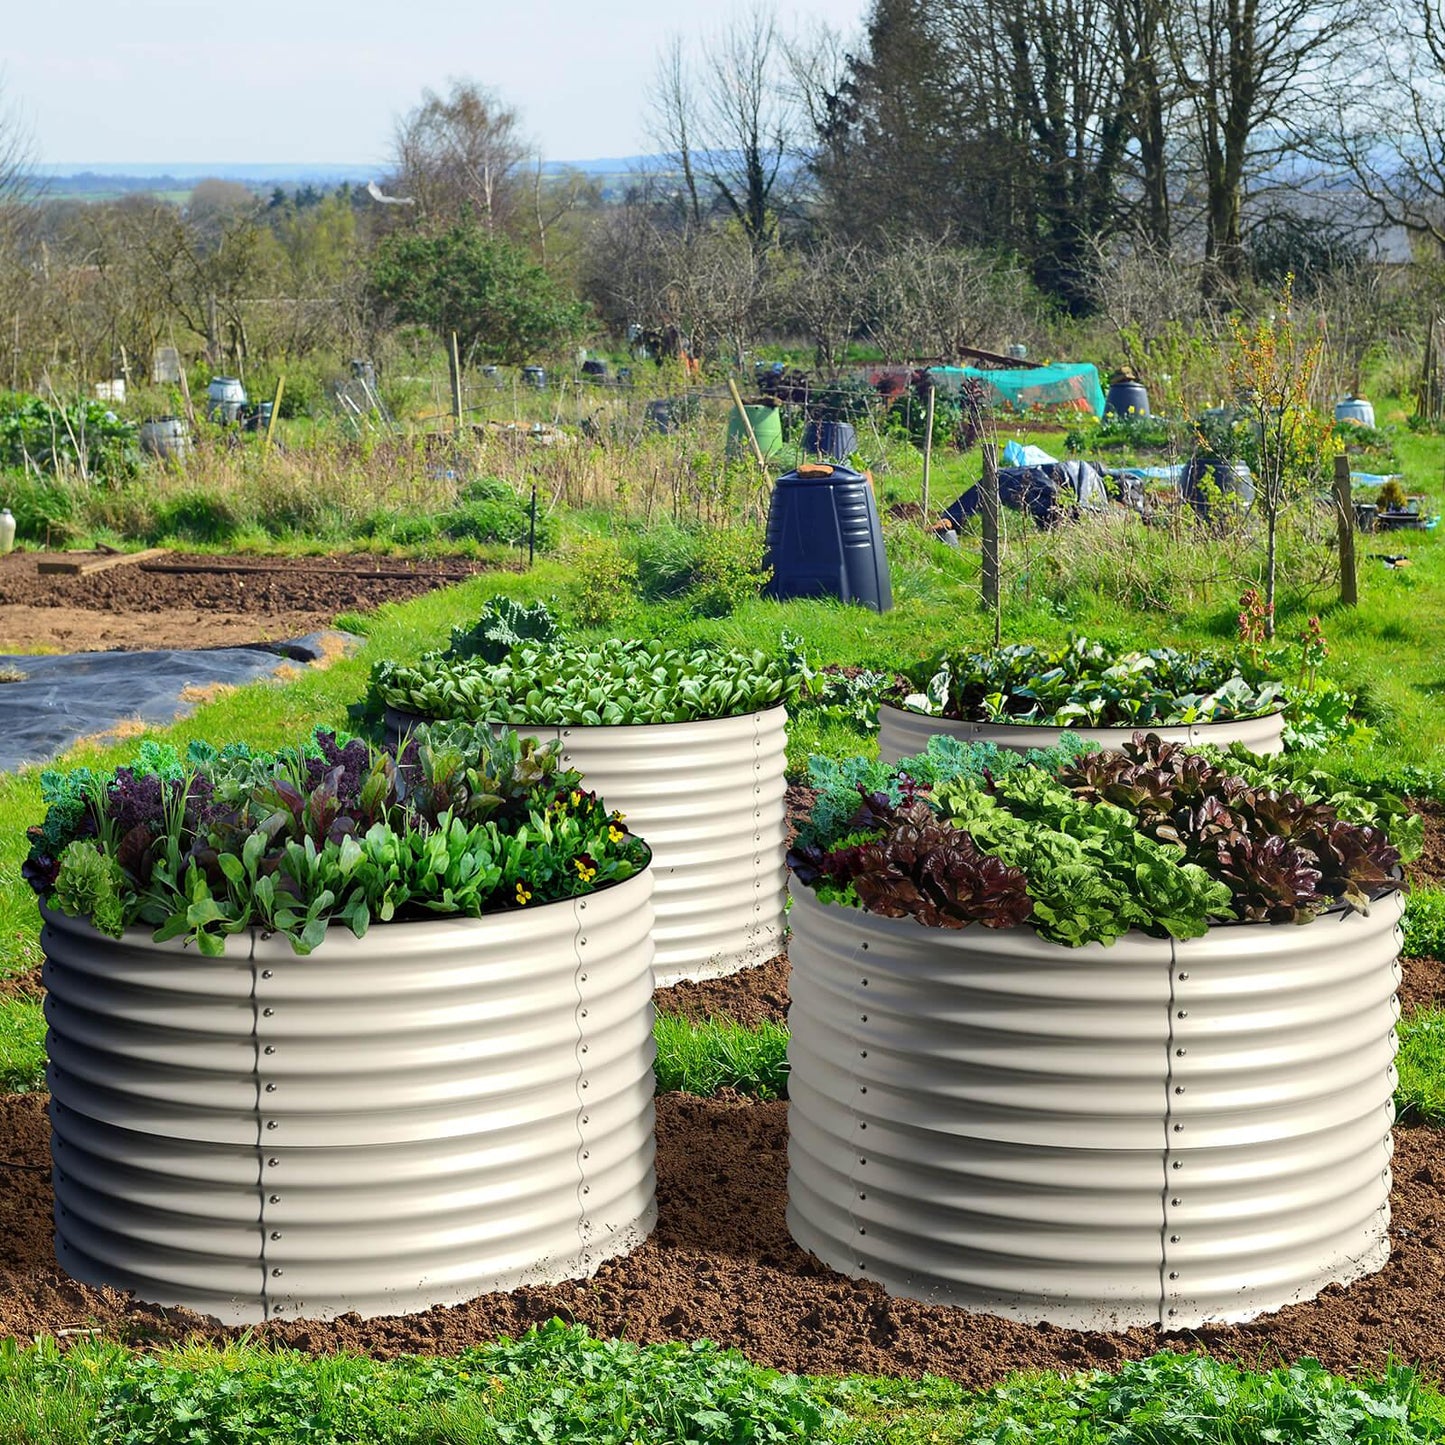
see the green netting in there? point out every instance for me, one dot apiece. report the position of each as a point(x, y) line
point(1063, 385)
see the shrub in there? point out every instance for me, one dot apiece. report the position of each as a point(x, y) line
point(730, 571)
point(604, 581)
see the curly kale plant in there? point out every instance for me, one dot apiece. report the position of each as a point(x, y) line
point(1086, 684)
point(503, 625)
point(611, 683)
point(463, 822)
point(1154, 838)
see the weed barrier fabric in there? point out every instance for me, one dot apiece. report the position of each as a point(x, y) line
point(61, 698)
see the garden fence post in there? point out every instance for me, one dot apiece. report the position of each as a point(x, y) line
point(1345, 520)
point(454, 362)
point(927, 448)
point(989, 514)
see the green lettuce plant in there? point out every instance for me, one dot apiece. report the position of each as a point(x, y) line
point(1086, 684)
point(1084, 846)
point(609, 683)
point(461, 822)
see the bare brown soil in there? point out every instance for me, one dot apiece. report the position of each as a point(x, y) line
point(721, 1265)
point(215, 602)
point(1428, 870)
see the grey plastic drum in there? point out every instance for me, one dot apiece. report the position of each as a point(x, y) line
point(1152, 1133)
point(434, 1111)
point(902, 734)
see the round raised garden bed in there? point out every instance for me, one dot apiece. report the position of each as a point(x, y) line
point(436, 1110)
point(903, 733)
point(1152, 1133)
point(709, 798)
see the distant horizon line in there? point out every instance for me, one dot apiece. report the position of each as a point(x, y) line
point(205, 169)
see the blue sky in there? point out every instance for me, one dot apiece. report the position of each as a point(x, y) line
point(150, 81)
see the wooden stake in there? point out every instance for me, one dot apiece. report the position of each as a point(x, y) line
point(454, 360)
point(927, 449)
point(748, 426)
point(275, 412)
point(1345, 519)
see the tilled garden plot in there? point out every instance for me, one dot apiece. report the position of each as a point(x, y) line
point(186, 600)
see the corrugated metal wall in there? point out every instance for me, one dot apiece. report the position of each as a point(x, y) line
point(413, 1118)
point(902, 734)
point(1150, 1133)
point(709, 798)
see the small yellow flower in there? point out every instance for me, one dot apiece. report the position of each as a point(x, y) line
point(523, 896)
point(585, 873)
point(576, 799)
point(615, 834)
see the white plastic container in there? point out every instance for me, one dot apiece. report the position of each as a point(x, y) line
point(1355, 409)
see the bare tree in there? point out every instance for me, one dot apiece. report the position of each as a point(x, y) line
point(1252, 70)
point(461, 153)
point(672, 119)
point(732, 115)
point(1392, 140)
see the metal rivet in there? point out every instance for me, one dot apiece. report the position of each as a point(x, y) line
point(1179, 1088)
point(584, 1083)
point(582, 905)
point(275, 1274)
point(1179, 1053)
point(1178, 1164)
point(265, 973)
point(272, 1163)
point(580, 942)
point(1173, 1312)
point(862, 1126)
point(1179, 1128)
point(586, 1118)
point(1173, 1239)
point(1183, 975)
point(863, 1018)
point(1173, 1274)
point(1183, 1013)
point(270, 1123)
point(586, 1153)
point(583, 977)
point(584, 1013)
point(862, 1088)
point(865, 948)
point(1175, 1203)
point(862, 1053)
point(275, 1234)
point(275, 1199)
point(865, 983)
point(862, 1161)
point(584, 1048)
point(587, 1189)
point(270, 1048)
point(267, 1012)
point(270, 1088)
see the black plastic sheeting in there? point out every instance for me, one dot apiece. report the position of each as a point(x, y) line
point(68, 696)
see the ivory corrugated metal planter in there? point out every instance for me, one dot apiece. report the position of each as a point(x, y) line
point(903, 733)
point(1152, 1133)
point(439, 1109)
point(709, 797)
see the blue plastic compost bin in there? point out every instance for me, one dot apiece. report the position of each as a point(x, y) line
point(824, 538)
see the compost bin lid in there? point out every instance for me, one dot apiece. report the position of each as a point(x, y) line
point(823, 472)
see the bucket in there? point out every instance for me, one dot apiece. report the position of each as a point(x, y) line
point(165, 437)
point(767, 423)
point(535, 376)
point(225, 396)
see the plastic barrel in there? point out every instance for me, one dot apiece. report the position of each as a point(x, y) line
point(1126, 398)
point(835, 440)
point(164, 436)
point(1355, 409)
point(225, 396)
point(767, 424)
